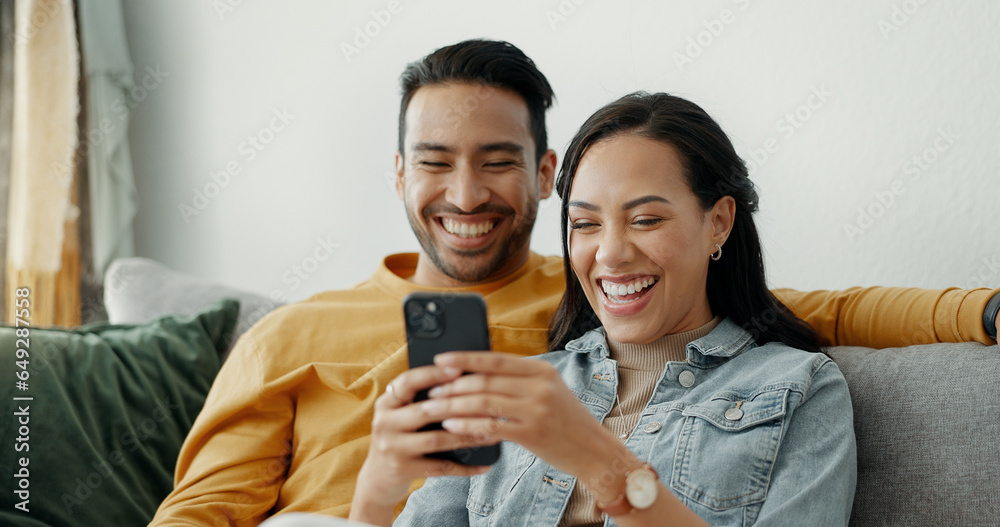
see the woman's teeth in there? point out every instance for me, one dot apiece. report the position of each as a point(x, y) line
point(467, 230)
point(615, 291)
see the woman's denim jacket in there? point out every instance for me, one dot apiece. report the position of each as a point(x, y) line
point(786, 457)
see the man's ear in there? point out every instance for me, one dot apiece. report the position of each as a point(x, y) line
point(400, 163)
point(722, 216)
point(546, 174)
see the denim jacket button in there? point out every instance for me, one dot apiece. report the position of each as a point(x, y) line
point(734, 414)
point(686, 378)
point(652, 428)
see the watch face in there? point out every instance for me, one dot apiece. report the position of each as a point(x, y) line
point(641, 488)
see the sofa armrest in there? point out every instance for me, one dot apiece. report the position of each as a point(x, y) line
point(927, 420)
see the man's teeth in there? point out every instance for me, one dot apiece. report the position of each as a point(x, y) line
point(614, 290)
point(467, 230)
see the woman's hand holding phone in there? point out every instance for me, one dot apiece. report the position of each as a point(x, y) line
point(397, 452)
point(506, 397)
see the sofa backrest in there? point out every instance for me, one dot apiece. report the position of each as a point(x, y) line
point(138, 290)
point(927, 420)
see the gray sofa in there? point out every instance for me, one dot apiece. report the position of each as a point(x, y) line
point(927, 418)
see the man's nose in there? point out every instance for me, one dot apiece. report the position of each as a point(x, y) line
point(466, 189)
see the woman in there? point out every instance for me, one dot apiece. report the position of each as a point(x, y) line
point(700, 399)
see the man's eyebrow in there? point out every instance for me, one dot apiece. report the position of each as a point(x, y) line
point(628, 205)
point(425, 146)
point(502, 146)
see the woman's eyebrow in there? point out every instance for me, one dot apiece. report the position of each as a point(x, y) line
point(584, 205)
point(645, 199)
point(628, 205)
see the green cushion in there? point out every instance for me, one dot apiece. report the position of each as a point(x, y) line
point(111, 407)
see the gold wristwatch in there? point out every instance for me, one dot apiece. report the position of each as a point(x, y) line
point(641, 489)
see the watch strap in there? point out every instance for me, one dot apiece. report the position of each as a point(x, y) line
point(617, 507)
point(620, 505)
point(990, 316)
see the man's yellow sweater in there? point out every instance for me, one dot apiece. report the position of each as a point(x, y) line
point(286, 424)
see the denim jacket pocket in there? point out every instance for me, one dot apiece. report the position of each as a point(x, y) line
point(488, 491)
point(727, 448)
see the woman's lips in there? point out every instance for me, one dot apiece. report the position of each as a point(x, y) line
point(617, 298)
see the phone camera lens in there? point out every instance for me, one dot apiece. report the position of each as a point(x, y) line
point(425, 318)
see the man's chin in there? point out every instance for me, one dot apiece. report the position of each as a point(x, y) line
point(473, 265)
point(470, 266)
point(471, 274)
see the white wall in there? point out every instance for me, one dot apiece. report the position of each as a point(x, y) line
point(894, 74)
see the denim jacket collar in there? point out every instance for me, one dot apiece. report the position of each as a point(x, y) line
point(723, 343)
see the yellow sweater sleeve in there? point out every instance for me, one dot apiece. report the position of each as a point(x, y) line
point(885, 317)
point(234, 459)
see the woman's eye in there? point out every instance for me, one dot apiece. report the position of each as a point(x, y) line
point(582, 225)
point(649, 222)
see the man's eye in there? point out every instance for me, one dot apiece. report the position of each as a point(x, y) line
point(500, 164)
point(433, 164)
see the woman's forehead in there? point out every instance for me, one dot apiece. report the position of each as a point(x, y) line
point(621, 166)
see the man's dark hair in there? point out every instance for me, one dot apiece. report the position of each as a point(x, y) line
point(489, 62)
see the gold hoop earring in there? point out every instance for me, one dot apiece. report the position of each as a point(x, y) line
point(717, 254)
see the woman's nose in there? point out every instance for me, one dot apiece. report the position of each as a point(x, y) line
point(616, 249)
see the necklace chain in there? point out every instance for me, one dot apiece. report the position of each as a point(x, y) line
point(625, 434)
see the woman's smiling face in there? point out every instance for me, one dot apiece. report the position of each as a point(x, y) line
point(640, 240)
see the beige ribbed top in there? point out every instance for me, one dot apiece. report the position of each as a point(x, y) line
point(639, 367)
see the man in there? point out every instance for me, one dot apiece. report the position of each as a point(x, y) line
point(286, 425)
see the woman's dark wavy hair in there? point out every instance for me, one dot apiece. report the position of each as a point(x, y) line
point(736, 285)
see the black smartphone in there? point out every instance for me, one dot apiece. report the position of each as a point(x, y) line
point(440, 322)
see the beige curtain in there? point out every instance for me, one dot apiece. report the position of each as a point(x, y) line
point(42, 241)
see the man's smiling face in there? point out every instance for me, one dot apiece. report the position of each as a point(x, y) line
point(470, 182)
